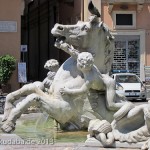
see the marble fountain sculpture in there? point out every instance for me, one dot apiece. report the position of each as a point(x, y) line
point(82, 94)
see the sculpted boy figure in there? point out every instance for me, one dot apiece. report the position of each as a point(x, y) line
point(52, 65)
point(94, 80)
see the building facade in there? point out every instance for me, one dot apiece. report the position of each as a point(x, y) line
point(10, 32)
point(39, 18)
point(129, 22)
point(33, 20)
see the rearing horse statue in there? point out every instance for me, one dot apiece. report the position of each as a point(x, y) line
point(82, 90)
point(75, 111)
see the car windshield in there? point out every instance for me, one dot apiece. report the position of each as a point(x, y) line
point(127, 79)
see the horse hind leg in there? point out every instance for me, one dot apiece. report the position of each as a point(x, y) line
point(14, 96)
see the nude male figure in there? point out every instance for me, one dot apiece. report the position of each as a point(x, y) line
point(94, 80)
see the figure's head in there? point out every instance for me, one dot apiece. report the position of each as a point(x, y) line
point(52, 65)
point(85, 61)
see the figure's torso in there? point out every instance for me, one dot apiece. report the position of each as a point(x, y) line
point(94, 79)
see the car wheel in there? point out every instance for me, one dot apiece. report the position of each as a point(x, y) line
point(144, 100)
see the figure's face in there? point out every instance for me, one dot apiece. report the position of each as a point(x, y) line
point(84, 65)
point(85, 61)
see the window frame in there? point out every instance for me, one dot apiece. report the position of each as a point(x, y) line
point(133, 26)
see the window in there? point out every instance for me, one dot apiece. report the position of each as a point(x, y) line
point(124, 19)
point(127, 79)
point(127, 54)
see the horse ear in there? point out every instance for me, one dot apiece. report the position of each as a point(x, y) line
point(93, 19)
point(93, 10)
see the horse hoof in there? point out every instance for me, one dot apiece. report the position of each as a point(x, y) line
point(8, 127)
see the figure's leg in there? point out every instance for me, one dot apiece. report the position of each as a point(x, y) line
point(14, 96)
point(16, 112)
point(111, 93)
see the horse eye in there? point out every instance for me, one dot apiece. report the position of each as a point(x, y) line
point(84, 28)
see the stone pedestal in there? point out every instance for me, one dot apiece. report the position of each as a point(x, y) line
point(92, 142)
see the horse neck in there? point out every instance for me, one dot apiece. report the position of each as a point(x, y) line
point(98, 51)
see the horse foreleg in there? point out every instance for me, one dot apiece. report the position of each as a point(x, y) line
point(14, 96)
point(16, 112)
point(57, 109)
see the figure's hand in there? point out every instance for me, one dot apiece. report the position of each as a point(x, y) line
point(65, 46)
point(57, 45)
point(64, 91)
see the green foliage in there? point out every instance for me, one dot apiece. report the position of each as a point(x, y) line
point(7, 66)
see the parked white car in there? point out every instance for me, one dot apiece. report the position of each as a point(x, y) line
point(130, 85)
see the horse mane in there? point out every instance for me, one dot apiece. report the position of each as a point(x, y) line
point(109, 47)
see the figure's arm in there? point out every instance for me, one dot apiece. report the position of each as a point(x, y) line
point(49, 79)
point(84, 89)
point(68, 49)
